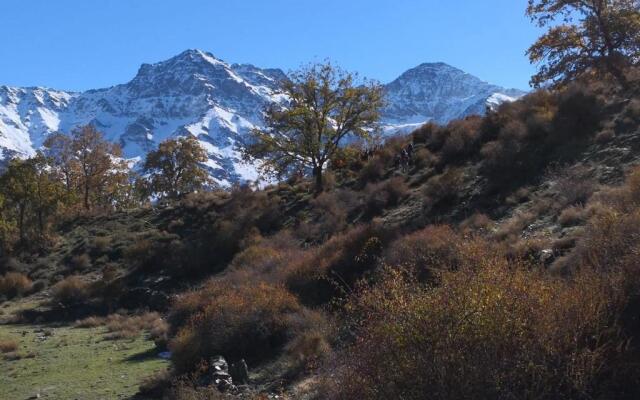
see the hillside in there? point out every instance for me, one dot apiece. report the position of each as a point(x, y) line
point(529, 211)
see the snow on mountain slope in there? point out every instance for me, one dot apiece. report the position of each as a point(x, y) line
point(438, 92)
point(195, 93)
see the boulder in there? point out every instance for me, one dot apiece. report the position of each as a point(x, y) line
point(239, 372)
point(219, 370)
point(547, 256)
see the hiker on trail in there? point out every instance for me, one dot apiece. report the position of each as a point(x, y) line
point(410, 150)
point(405, 160)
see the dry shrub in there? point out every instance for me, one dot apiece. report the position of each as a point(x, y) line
point(512, 228)
point(605, 136)
point(385, 194)
point(244, 213)
point(331, 210)
point(101, 244)
point(309, 350)
point(204, 200)
point(519, 196)
point(81, 262)
point(14, 284)
point(120, 326)
point(461, 138)
point(373, 170)
point(190, 391)
point(423, 158)
point(431, 249)
point(574, 185)
point(425, 133)
point(609, 239)
point(155, 385)
point(325, 272)
point(573, 215)
point(159, 333)
point(250, 321)
point(528, 248)
point(624, 199)
point(494, 329)
point(71, 290)
point(523, 137)
point(633, 109)
point(478, 222)
point(89, 322)
point(139, 252)
point(265, 260)
point(8, 345)
point(444, 187)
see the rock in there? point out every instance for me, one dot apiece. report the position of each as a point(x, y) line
point(220, 373)
point(547, 256)
point(240, 373)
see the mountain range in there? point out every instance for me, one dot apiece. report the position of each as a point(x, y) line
point(195, 93)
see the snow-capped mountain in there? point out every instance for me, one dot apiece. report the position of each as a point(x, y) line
point(195, 93)
point(439, 92)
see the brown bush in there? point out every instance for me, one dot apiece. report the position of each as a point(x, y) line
point(331, 210)
point(611, 235)
point(444, 187)
point(373, 170)
point(423, 158)
point(89, 322)
point(461, 138)
point(571, 216)
point(478, 222)
point(14, 284)
point(502, 328)
point(236, 321)
point(71, 290)
point(323, 273)
point(424, 133)
point(426, 251)
point(123, 326)
point(384, 194)
point(512, 228)
point(522, 138)
point(101, 244)
point(8, 345)
point(605, 136)
point(633, 109)
point(81, 262)
point(574, 185)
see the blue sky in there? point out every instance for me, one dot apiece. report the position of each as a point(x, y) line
point(82, 44)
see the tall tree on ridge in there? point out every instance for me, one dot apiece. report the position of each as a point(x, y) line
point(325, 106)
point(584, 36)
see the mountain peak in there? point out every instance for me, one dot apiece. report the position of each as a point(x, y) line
point(196, 55)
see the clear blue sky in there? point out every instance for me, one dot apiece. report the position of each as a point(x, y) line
point(83, 44)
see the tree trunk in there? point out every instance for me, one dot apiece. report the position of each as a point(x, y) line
point(21, 213)
point(86, 196)
point(317, 174)
point(613, 56)
point(618, 74)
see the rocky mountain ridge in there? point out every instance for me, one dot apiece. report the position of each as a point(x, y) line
point(219, 103)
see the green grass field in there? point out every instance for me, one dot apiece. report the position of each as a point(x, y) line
point(74, 363)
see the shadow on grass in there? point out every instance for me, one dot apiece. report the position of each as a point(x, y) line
point(143, 356)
